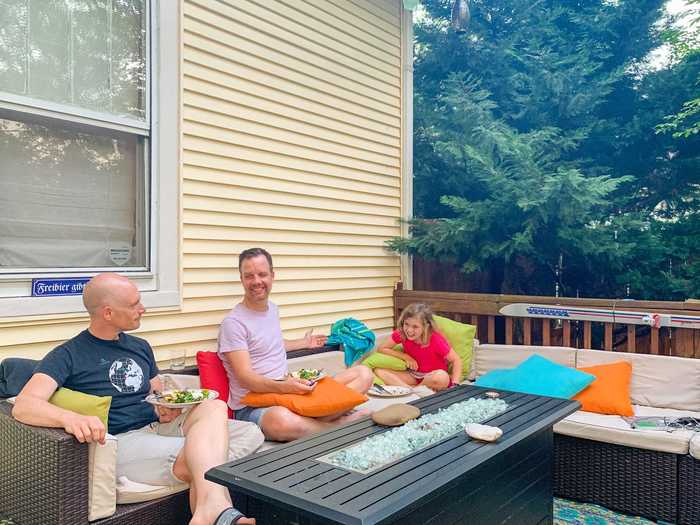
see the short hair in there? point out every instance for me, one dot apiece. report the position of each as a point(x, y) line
point(254, 252)
point(424, 314)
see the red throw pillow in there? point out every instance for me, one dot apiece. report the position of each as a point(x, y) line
point(610, 392)
point(212, 375)
point(329, 397)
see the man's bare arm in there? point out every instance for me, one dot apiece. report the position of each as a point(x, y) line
point(308, 341)
point(32, 407)
point(248, 378)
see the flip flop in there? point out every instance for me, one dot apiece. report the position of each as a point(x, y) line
point(229, 516)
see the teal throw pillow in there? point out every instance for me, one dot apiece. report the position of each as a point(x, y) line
point(540, 376)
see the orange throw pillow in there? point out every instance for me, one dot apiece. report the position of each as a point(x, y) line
point(610, 392)
point(329, 397)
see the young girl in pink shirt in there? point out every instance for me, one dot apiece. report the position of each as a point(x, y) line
point(427, 353)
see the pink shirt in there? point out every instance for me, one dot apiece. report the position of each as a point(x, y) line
point(429, 357)
point(258, 333)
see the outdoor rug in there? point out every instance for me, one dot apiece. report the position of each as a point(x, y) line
point(574, 513)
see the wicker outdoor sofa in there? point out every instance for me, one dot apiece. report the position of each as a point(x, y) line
point(599, 459)
point(45, 481)
point(46, 469)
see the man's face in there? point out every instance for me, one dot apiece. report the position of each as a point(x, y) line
point(256, 278)
point(124, 310)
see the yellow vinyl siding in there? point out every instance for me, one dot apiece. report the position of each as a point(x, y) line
point(291, 140)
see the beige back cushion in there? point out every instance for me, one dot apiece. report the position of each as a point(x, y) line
point(102, 461)
point(490, 356)
point(657, 381)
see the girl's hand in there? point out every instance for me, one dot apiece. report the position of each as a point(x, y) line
point(411, 363)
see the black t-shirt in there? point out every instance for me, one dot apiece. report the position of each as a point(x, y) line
point(121, 369)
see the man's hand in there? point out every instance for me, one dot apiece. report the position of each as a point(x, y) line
point(314, 341)
point(86, 429)
point(165, 414)
point(292, 385)
point(411, 363)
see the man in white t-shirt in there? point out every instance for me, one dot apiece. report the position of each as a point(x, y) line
point(255, 357)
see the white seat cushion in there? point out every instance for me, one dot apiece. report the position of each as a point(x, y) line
point(694, 445)
point(657, 381)
point(490, 356)
point(244, 439)
point(615, 430)
point(331, 362)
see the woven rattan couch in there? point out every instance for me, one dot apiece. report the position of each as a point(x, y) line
point(599, 459)
point(44, 471)
point(44, 480)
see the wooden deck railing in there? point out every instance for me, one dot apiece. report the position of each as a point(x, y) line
point(482, 310)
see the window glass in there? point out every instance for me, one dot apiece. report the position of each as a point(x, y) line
point(70, 196)
point(90, 54)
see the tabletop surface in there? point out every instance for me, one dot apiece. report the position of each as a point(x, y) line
point(290, 475)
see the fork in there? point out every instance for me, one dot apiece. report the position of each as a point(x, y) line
point(380, 388)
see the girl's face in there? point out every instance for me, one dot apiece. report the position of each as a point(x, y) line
point(413, 328)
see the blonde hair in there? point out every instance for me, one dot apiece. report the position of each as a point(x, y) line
point(424, 314)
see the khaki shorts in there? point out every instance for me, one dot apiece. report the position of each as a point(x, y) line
point(148, 454)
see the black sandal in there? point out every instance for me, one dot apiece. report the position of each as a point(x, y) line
point(229, 516)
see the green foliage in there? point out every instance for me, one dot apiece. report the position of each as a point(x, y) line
point(534, 141)
point(684, 44)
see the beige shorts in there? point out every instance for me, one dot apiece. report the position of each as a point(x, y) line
point(148, 454)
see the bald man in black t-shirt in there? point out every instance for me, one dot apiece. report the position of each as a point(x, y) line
point(166, 444)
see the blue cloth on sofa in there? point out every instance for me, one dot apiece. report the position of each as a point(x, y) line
point(540, 376)
point(14, 374)
point(355, 337)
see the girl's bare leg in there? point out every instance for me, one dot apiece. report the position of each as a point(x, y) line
point(396, 377)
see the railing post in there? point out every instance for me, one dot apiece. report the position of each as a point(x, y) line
point(631, 338)
point(608, 336)
point(587, 334)
point(566, 336)
point(527, 331)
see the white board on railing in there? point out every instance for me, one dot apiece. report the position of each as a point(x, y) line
point(599, 315)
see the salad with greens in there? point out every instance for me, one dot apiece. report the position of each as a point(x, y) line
point(184, 396)
point(308, 374)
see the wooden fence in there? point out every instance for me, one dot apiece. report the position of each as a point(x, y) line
point(482, 310)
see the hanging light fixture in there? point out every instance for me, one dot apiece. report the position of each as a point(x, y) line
point(460, 16)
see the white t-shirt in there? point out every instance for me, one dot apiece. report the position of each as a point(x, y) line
point(260, 334)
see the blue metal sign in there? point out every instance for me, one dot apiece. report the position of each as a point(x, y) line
point(53, 287)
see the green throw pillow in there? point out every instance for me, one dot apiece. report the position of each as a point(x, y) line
point(461, 339)
point(84, 404)
point(378, 360)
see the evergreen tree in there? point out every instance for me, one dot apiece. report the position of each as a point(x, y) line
point(534, 141)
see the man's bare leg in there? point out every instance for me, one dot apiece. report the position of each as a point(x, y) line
point(281, 424)
point(206, 446)
point(359, 378)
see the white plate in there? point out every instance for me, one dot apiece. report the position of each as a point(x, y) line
point(318, 377)
point(156, 399)
point(392, 391)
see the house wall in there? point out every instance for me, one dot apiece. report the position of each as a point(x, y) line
point(291, 140)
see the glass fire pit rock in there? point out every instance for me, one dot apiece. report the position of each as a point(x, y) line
point(377, 451)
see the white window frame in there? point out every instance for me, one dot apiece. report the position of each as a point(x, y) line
point(160, 286)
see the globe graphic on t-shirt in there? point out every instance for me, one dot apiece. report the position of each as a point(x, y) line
point(126, 375)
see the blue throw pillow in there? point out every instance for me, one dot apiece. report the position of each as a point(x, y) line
point(537, 375)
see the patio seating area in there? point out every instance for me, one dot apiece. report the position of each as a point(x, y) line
point(653, 476)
